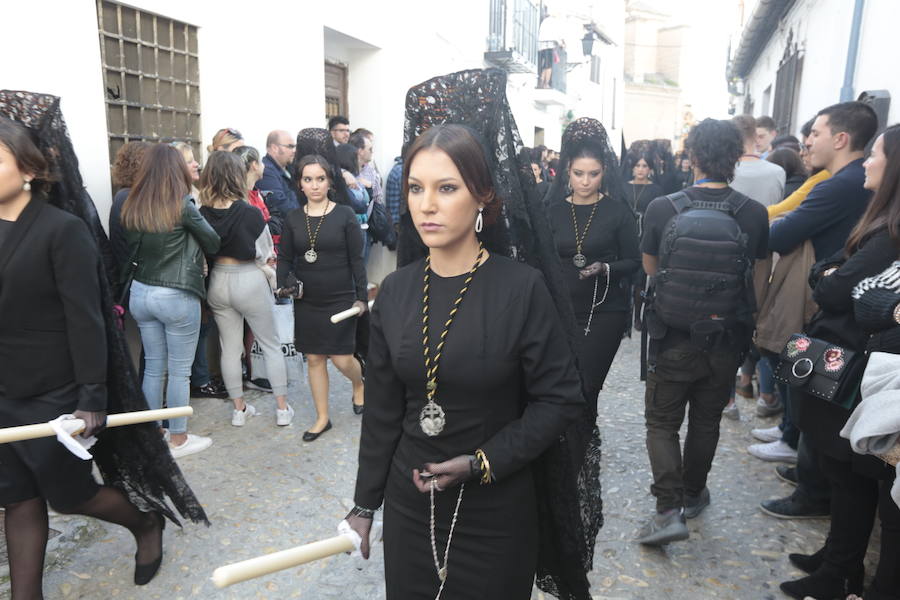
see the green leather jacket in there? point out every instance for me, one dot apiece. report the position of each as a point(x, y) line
point(173, 258)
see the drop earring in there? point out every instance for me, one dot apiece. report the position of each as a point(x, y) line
point(479, 220)
point(26, 186)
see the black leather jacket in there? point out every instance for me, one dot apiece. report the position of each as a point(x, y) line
point(173, 258)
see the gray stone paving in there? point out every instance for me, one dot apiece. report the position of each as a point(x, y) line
point(265, 490)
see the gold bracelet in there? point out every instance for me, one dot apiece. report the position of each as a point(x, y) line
point(486, 475)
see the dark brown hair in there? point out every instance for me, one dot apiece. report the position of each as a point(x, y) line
point(884, 209)
point(128, 163)
point(467, 153)
point(313, 159)
point(28, 157)
point(224, 177)
point(155, 201)
point(789, 160)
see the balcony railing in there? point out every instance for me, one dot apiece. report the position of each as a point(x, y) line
point(513, 39)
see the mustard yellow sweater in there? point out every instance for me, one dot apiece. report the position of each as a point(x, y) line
point(794, 200)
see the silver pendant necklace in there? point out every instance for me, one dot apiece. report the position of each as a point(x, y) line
point(311, 256)
point(432, 418)
point(580, 260)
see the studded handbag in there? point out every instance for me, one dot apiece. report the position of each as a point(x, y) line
point(822, 369)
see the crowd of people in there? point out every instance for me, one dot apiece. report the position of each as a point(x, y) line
point(748, 257)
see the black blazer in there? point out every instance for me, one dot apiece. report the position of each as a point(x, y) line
point(52, 330)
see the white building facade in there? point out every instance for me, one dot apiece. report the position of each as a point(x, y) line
point(166, 70)
point(790, 59)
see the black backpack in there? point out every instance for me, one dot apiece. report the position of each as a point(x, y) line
point(381, 226)
point(705, 266)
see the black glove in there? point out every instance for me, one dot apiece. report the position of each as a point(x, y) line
point(94, 421)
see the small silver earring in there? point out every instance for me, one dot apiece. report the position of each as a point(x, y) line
point(27, 186)
point(479, 220)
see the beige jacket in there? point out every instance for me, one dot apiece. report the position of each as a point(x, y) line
point(787, 304)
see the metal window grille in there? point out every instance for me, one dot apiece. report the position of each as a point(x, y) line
point(787, 90)
point(151, 76)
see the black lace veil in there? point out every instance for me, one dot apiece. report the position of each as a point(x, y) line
point(567, 475)
point(134, 459)
point(315, 140)
point(581, 134)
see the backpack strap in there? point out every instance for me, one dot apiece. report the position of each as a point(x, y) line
point(680, 202)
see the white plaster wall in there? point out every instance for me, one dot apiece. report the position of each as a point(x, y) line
point(262, 67)
point(61, 56)
point(876, 68)
point(822, 30)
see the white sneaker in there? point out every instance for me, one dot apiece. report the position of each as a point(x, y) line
point(732, 411)
point(769, 434)
point(192, 445)
point(284, 417)
point(776, 451)
point(239, 417)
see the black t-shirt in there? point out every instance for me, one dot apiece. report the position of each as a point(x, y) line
point(753, 220)
point(5, 229)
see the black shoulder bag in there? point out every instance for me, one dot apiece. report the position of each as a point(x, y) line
point(121, 305)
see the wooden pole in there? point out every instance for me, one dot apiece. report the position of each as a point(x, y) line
point(30, 432)
point(278, 561)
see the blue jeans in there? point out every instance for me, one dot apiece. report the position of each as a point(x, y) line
point(169, 320)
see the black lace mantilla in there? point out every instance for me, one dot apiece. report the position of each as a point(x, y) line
point(567, 475)
point(134, 459)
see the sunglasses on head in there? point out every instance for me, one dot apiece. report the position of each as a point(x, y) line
point(233, 132)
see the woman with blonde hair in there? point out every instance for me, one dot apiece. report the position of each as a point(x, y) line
point(238, 289)
point(226, 140)
point(166, 238)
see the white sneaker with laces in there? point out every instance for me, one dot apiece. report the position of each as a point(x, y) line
point(239, 417)
point(732, 411)
point(192, 445)
point(284, 417)
point(768, 434)
point(776, 451)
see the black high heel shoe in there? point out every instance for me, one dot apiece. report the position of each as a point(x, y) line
point(825, 583)
point(143, 574)
point(309, 436)
point(358, 409)
point(808, 563)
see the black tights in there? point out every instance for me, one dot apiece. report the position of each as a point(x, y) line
point(26, 535)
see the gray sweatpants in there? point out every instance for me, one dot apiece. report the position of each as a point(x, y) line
point(236, 293)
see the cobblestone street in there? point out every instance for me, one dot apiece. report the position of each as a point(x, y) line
point(266, 490)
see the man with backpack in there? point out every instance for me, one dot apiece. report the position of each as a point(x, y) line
point(699, 248)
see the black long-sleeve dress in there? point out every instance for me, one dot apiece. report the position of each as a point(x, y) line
point(331, 284)
point(612, 238)
point(507, 384)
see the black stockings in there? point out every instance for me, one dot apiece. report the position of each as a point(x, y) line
point(26, 535)
point(26, 543)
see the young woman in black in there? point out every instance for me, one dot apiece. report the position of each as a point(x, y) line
point(62, 353)
point(597, 239)
point(872, 246)
point(641, 190)
point(464, 414)
point(321, 246)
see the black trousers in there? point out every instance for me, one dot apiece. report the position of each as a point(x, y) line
point(854, 500)
point(685, 377)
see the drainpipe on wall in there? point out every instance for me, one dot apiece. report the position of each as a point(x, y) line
point(852, 51)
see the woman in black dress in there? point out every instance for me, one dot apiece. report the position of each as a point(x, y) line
point(321, 246)
point(639, 193)
point(460, 410)
point(596, 235)
point(61, 353)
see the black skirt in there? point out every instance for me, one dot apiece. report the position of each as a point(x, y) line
point(43, 468)
point(493, 553)
point(314, 333)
